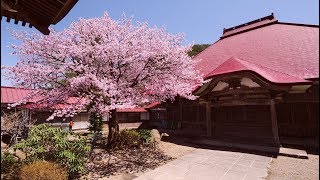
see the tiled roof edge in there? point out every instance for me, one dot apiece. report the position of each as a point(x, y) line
point(250, 29)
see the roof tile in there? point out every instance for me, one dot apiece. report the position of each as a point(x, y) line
point(234, 65)
point(14, 94)
point(287, 48)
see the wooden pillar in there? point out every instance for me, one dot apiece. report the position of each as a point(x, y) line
point(274, 122)
point(208, 118)
point(180, 110)
point(198, 111)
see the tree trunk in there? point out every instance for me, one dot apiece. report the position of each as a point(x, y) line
point(113, 128)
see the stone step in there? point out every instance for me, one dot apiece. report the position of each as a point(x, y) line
point(296, 153)
point(284, 151)
point(259, 148)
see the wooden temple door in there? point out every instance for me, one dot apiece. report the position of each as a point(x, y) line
point(298, 120)
point(243, 124)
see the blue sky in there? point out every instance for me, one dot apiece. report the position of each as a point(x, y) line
point(202, 21)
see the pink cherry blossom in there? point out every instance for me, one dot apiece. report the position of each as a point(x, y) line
point(107, 64)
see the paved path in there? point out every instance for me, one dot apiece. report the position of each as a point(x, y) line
point(203, 164)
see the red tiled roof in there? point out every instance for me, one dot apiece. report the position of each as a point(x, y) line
point(248, 26)
point(71, 100)
point(138, 109)
point(132, 110)
point(13, 94)
point(292, 49)
point(235, 65)
point(151, 105)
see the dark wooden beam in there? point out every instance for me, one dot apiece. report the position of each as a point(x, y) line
point(43, 29)
point(209, 88)
point(180, 110)
point(239, 96)
point(274, 122)
point(241, 91)
point(27, 16)
point(305, 97)
point(208, 118)
point(198, 111)
point(309, 111)
point(301, 101)
point(61, 2)
point(64, 11)
point(238, 75)
point(241, 102)
point(36, 22)
point(193, 123)
point(38, 10)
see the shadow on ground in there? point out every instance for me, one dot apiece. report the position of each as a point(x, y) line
point(187, 142)
point(131, 160)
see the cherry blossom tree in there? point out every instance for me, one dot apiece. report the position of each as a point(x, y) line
point(106, 64)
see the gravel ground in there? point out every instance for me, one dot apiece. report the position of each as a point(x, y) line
point(285, 168)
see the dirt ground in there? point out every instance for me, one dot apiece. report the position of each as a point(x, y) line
point(285, 168)
point(121, 166)
point(170, 149)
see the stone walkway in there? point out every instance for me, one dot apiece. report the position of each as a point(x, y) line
point(203, 164)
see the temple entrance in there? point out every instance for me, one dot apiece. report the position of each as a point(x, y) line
point(243, 124)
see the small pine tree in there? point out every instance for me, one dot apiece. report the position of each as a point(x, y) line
point(96, 128)
point(95, 123)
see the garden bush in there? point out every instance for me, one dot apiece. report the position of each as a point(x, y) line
point(126, 139)
point(145, 135)
point(43, 170)
point(9, 166)
point(129, 138)
point(7, 160)
point(54, 144)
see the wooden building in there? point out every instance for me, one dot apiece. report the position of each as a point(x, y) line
point(37, 13)
point(263, 86)
point(127, 118)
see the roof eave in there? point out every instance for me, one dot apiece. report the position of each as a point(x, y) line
point(64, 11)
point(306, 82)
point(299, 24)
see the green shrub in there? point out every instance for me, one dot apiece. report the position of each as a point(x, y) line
point(7, 160)
point(54, 144)
point(126, 139)
point(145, 135)
point(43, 170)
point(9, 166)
point(129, 138)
